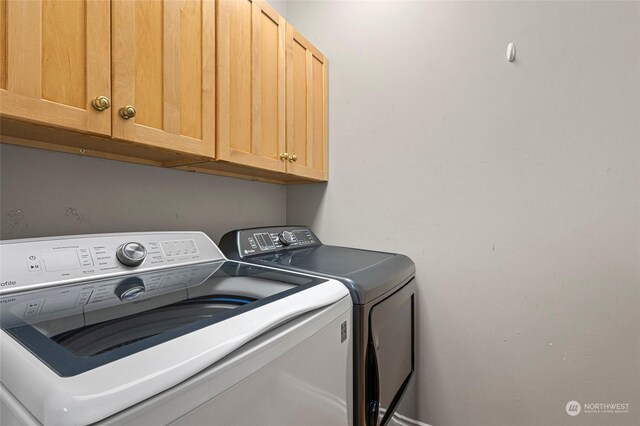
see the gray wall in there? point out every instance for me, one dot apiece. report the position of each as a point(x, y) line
point(47, 193)
point(280, 6)
point(513, 186)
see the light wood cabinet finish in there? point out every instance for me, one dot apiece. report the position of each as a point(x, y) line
point(219, 86)
point(307, 108)
point(250, 84)
point(164, 66)
point(54, 59)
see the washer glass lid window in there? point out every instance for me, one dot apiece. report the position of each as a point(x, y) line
point(76, 328)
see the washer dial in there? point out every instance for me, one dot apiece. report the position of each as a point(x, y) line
point(131, 254)
point(130, 289)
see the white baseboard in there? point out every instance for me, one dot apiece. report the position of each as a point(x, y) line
point(399, 420)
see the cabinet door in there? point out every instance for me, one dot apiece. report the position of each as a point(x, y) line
point(163, 66)
point(54, 60)
point(251, 86)
point(306, 108)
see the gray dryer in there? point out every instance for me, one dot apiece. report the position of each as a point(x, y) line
point(383, 291)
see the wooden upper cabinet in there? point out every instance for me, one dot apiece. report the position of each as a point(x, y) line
point(54, 60)
point(307, 108)
point(164, 67)
point(250, 84)
point(187, 82)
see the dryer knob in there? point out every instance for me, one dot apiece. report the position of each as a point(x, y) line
point(286, 238)
point(131, 254)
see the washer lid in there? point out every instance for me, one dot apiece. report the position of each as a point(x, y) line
point(87, 361)
point(74, 329)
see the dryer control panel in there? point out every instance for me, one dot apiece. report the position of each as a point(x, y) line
point(251, 242)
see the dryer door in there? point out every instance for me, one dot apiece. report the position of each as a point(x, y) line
point(390, 353)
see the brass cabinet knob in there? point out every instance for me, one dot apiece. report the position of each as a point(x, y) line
point(284, 156)
point(293, 158)
point(101, 103)
point(127, 112)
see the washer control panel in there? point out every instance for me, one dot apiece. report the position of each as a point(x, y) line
point(250, 242)
point(32, 263)
point(90, 302)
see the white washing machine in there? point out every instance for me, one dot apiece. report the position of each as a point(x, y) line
point(159, 328)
